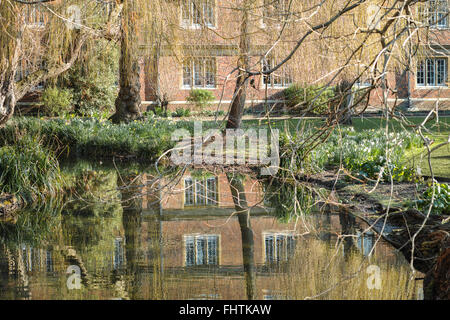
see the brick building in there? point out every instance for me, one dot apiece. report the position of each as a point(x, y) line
point(205, 33)
point(207, 65)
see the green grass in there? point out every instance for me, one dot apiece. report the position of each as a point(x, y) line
point(29, 170)
point(142, 140)
point(440, 158)
point(413, 157)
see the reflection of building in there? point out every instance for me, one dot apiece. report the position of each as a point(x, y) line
point(365, 242)
point(200, 192)
point(192, 193)
point(118, 257)
point(201, 249)
point(278, 246)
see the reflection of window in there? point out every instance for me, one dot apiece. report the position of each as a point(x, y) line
point(199, 73)
point(195, 13)
point(200, 192)
point(26, 257)
point(35, 15)
point(435, 13)
point(278, 246)
point(118, 253)
point(273, 295)
point(201, 250)
point(48, 261)
point(207, 296)
point(365, 242)
point(279, 78)
point(432, 72)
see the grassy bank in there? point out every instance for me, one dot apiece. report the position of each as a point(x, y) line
point(143, 140)
point(29, 170)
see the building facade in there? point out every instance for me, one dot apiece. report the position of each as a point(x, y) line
point(204, 50)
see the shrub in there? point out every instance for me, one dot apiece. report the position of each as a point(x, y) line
point(441, 204)
point(159, 112)
point(200, 97)
point(316, 96)
point(181, 112)
point(57, 101)
point(29, 170)
point(94, 81)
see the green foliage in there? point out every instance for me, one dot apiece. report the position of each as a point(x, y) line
point(362, 153)
point(200, 97)
point(94, 81)
point(57, 101)
point(441, 203)
point(213, 113)
point(29, 170)
point(314, 95)
point(287, 199)
point(36, 225)
point(143, 140)
point(181, 112)
point(96, 192)
point(159, 112)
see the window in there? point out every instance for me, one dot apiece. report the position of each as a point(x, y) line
point(195, 13)
point(365, 242)
point(432, 72)
point(200, 192)
point(118, 258)
point(435, 13)
point(281, 78)
point(199, 73)
point(35, 15)
point(278, 246)
point(201, 250)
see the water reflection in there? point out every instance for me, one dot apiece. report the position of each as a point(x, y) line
point(206, 237)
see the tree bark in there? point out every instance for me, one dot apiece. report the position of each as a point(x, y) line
point(248, 243)
point(240, 91)
point(128, 101)
point(7, 101)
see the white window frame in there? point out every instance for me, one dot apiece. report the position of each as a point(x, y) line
point(199, 73)
point(277, 238)
point(201, 189)
point(35, 16)
point(430, 70)
point(205, 258)
point(437, 14)
point(195, 19)
point(283, 75)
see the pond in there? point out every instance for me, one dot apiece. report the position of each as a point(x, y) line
point(125, 235)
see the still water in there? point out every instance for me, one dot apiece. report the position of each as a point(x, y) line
point(193, 236)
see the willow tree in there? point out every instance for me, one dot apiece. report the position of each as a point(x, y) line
point(33, 51)
point(141, 35)
point(128, 101)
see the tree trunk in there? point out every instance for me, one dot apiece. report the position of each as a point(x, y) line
point(240, 91)
point(7, 100)
point(248, 244)
point(346, 99)
point(128, 101)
